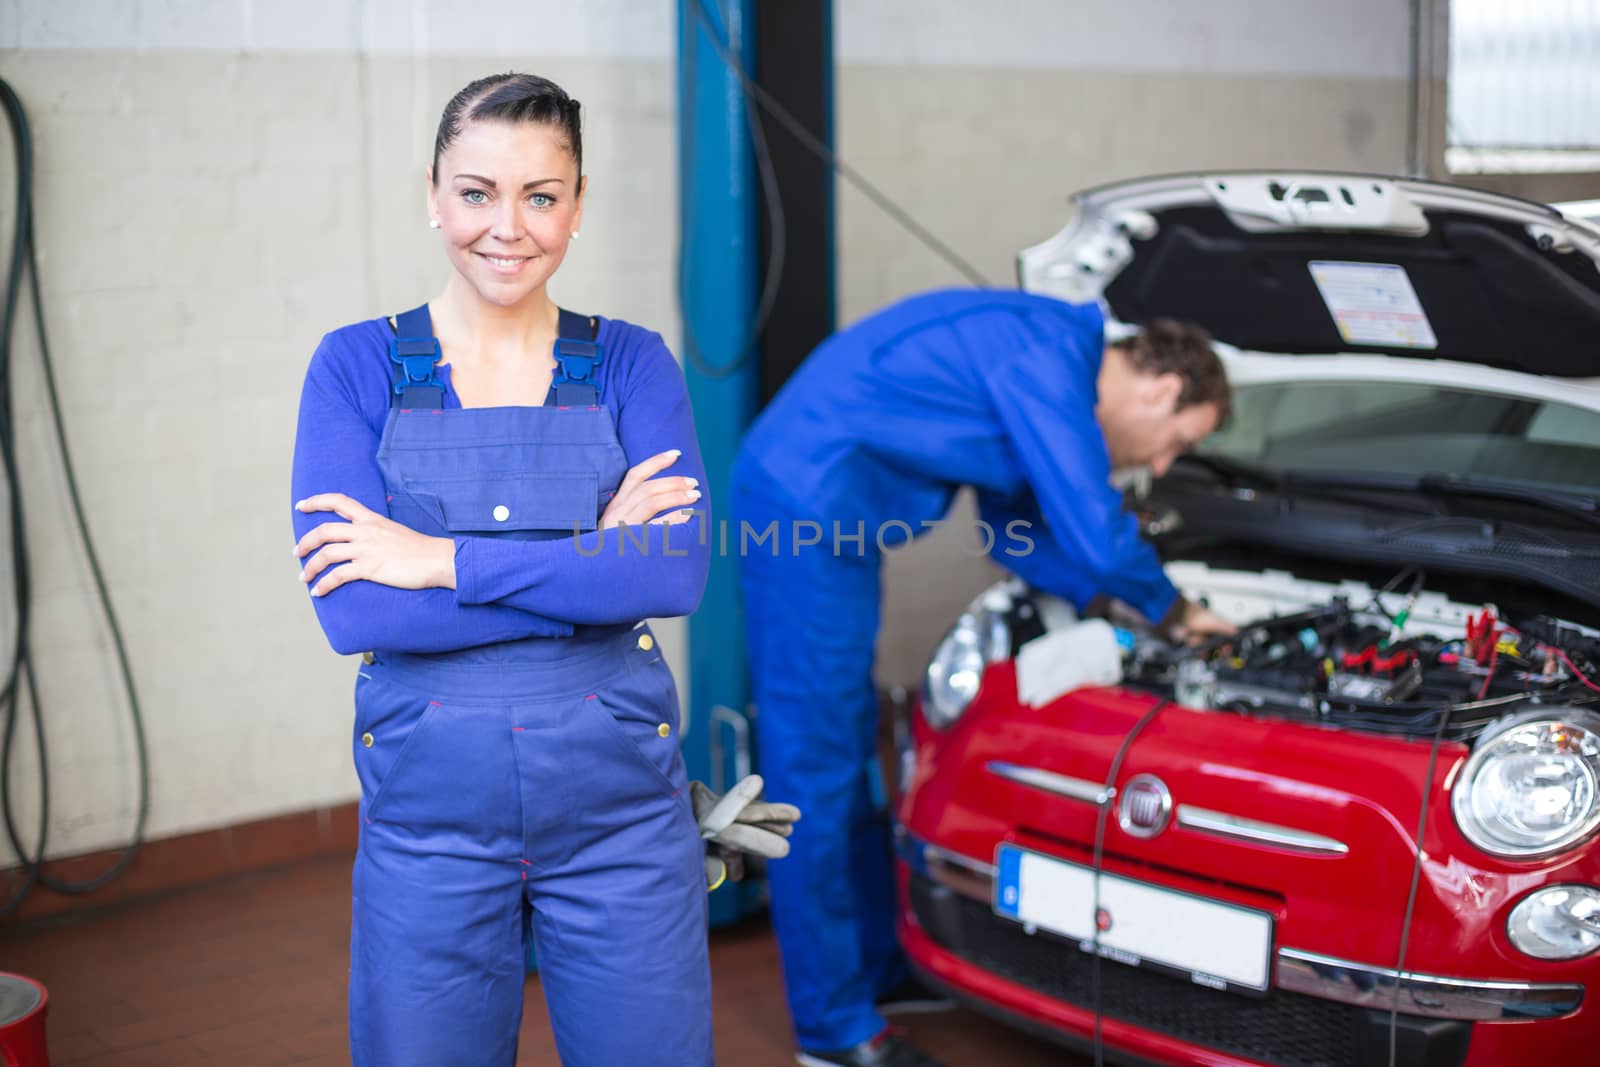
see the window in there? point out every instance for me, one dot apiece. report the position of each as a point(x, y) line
point(1405, 429)
point(1524, 86)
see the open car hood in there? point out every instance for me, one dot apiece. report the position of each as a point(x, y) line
point(1324, 262)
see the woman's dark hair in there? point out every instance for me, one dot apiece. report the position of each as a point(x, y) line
point(510, 98)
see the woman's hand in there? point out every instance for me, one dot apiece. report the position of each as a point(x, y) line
point(373, 547)
point(642, 496)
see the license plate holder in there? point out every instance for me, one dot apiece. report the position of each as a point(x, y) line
point(1210, 942)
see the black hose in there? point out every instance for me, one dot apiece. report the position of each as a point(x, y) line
point(19, 669)
point(1108, 798)
point(1411, 894)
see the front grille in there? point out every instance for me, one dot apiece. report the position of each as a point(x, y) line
point(1283, 1028)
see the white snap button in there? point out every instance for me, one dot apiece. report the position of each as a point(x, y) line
point(501, 513)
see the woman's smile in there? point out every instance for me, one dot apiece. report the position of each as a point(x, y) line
point(504, 264)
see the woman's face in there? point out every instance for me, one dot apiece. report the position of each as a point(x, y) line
point(508, 198)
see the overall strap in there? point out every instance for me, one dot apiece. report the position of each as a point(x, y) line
point(577, 355)
point(416, 354)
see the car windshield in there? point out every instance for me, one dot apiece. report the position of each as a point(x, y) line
point(1399, 429)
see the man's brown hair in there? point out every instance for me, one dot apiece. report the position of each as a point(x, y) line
point(1167, 346)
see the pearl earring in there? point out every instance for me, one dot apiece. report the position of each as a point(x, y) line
point(574, 235)
point(433, 224)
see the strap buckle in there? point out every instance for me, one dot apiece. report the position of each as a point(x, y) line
point(417, 358)
point(575, 360)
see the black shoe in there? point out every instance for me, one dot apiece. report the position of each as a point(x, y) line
point(911, 997)
point(888, 1049)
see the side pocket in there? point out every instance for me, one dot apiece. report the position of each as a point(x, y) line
point(389, 721)
point(643, 717)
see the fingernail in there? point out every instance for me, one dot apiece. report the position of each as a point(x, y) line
point(694, 494)
point(674, 452)
point(694, 483)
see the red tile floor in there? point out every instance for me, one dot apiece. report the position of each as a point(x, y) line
point(251, 973)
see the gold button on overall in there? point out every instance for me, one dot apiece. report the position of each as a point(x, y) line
point(646, 642)
point(366, 739)
point(664, 730)
point(368, 658)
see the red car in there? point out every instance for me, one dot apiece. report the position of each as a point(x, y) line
point(1363, 831)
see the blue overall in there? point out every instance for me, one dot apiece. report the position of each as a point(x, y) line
point(863, 448)
point(528, 788)
point(811, 620)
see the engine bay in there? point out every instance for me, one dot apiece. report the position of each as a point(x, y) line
point(1398, 659)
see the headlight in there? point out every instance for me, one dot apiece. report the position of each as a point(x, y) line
point(1532, 784)
point(979, 638)
point(1558, 922)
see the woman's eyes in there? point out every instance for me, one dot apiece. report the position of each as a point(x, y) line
point(478, 197)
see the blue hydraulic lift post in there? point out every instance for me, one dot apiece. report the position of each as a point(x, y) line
point(718, 280)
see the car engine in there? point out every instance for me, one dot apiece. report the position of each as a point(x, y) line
point(1400, 659)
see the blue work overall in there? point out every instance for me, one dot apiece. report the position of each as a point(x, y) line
point(532, 788)
point(811, 622)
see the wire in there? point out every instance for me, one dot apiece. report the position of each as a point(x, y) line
point(753, 93)
point(1418, 578)
point(777, 227)
point(1416, 874)
point(20, 669)
point(1576, 673)
point(854, 177)
point(1494, 660)
point(1110, 794)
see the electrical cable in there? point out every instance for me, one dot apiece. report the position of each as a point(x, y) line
point(1494, 661)
point(855, 178)
point(1109, 795)
point(1417, 580)
point(1416, 875)
point(20, 669)
point(755, 96)
point(776, 225)
point(1576, 673)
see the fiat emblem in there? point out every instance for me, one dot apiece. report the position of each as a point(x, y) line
point(1145, 806)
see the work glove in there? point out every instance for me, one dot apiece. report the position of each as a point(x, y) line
point(740, 823)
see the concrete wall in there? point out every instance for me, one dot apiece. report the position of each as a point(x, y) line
point(220, 183)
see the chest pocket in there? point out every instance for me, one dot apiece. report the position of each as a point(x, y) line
point(515, 506)
point(518, 472)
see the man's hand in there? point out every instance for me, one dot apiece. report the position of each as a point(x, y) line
point(1190, 624)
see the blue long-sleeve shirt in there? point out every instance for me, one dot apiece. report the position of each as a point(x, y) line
point(990, 388)
point(505, 590)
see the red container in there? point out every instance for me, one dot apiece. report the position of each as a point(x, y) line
point(23, 1003)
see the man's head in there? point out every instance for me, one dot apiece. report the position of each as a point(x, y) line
point(1162, 392)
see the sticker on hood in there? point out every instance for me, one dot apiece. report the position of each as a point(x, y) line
point(1373, 304)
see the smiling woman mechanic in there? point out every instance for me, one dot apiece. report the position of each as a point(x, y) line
point(457, 472)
